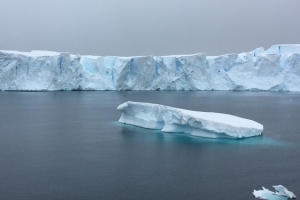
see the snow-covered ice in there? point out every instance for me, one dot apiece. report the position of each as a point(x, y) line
point(276, 69)
point(267, 194)
point(204, 124)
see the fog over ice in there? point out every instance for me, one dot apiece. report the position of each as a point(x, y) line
point(134, 27)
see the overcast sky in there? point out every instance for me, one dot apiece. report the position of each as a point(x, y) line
point(147, 27)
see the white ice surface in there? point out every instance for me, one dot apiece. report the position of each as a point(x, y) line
point(281, 190)
point(34, 53)
point(267, 194)
point(204, 124)
point(276, 69)
point(263, 194)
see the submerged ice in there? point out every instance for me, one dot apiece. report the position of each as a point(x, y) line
point(276, 69)
point(204, 124)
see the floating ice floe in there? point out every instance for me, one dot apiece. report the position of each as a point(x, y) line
point(204, 124)
point(267, 194)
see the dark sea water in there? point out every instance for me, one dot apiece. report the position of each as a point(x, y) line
point(69, 145)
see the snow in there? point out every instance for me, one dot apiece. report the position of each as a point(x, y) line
point(34, 53)
point(204, 124)
point(267, 194)
point(276, 69)
point(43, 53)
point(282, 49)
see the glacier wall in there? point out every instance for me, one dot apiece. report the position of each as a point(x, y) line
point(276, 69)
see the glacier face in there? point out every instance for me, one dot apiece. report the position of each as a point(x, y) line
point(276, 69)
point(203, 124)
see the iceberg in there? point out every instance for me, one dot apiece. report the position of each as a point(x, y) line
point(267, 194)
point(203, 124)
point(275, 69)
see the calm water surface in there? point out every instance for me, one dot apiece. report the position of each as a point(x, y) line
point(68, 145)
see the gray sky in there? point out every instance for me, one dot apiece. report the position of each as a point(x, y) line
point(147, 27)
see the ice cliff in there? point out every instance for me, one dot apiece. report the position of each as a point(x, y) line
point(276, 69)
point(204, 124)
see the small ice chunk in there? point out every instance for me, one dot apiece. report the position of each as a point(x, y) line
point(281, 190)
point(263, 194)
point(267, 194)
